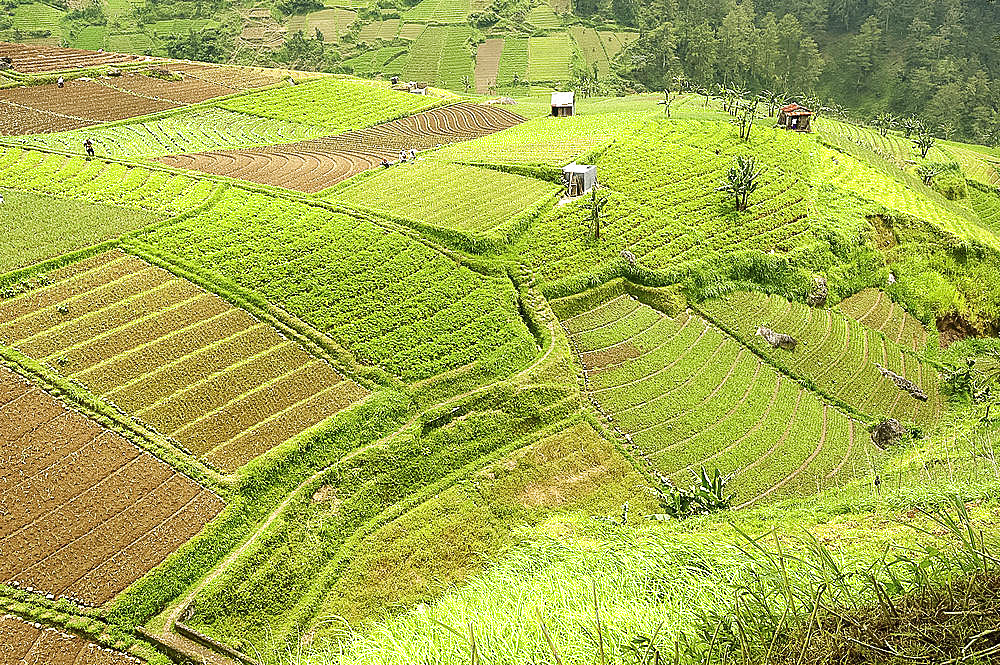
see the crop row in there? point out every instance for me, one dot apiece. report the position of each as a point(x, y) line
point(17, 120)
point(977, 166)
point(877, 311)
point(332, 23)
point(99, 181)
point(549, 58)
point(331, 103)
point(439, 11)
point(188, 363)
point(687, 395)
point(835, 352)
point(192, 131)
point(449, 196)
point(30, 59)
point(84, 512)
point(513, 60)
point(88, 100)
point(387, 297)
point(986, 204)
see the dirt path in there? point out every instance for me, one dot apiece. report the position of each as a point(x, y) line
point(487, 64)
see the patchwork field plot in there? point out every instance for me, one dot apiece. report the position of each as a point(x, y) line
point(238, 78)
point(877, 311)
point(385, 30)
point(439, 11)
point(83, 100)
point(388, 298)
point(513, 60)
point(100, 182)
point(449, 196)
point(439, 56)
point(411, 31)
point(188, 90)
point(84, 512)
point(314, 165)
point(32, 59)
point(332, 23)
point(592, 48)
point(38, 227)
point(488, 64)
point(544, 141)
point(335, 104)
point(15, 120)
point(687, 395)
point(614, 42)
point(987, 206)
point(543, 18)
point(37, 16)
point(210, 376)
point(32, 644)
point(186, 131)
point(670, 210)
point(840, 355)
point(379, 61)
point(549, 58)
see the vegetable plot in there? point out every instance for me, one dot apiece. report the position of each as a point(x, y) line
point(877, 311)
point(389, 298)
point(837, 353)
point(84, 512)
point(686, 395)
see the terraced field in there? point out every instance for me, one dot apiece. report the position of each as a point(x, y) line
point(439, 11)
point(37, 16)
point(837, 353)
point(82, 100)
point(686, 395)
point(670, 211)
point(549, 58)
point(314, 165)
point(32, 644)
point(224, 385)
point(101, 182)
point(332, 23)
point(388, 298)
point(592, 48)
point(185, 131)
point(986, 205)
point(488, 64)
point(977, 166)
point(238, 78)
point(543, 18)
point(893, 147)
point(334, 104)
point(448, 196)
point(379, 61)
point(84, 512)
point(877, 311)
point(29, 59)
point(439, 57)
point(16, 120)
point(513, 60)
point(189, 90)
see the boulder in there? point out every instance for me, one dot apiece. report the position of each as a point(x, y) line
point(887, 433)
point(819, 292)
point(778, 340)
point(903, 383)
point(629, 257)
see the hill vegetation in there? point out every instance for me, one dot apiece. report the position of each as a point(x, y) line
point(306, 370)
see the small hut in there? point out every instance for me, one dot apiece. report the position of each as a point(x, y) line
point(563, 104)
point(579, 178)
point(795, 117)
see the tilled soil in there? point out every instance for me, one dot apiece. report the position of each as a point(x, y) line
point(30, 59)
point(27, 643)
point(84, 512)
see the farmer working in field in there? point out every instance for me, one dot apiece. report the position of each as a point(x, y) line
point(60, 82)
point(88, 145)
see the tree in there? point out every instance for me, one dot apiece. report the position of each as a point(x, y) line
point(884, 122)
point(742, 180)
point(595, 205)
point(928, 172)
point(924, 142)
point(746, 114)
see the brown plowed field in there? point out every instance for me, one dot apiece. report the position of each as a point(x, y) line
point(86, 102)
point(189, 90)
point(487, 64)
point(84, 512)
point(194, 367)
point(16, 120)
point(314, 165)
point(30, 59)
point(26, 643)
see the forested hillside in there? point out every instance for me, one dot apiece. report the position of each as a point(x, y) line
point(936, 60)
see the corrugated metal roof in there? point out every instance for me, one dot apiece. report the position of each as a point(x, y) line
point(578, 168)
point(562, 99)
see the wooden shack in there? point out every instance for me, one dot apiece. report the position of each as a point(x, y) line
point(795, 117)
point(579, 178)
point(563, 104)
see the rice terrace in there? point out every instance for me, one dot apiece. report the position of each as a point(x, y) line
point(315, 367)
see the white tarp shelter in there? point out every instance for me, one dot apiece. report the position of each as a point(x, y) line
point(579, 178)
point(563, 104)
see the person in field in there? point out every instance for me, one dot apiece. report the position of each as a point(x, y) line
point(88, 145)
point(61, 82)
point(413, 155)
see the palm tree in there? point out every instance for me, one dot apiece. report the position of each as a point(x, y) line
point(884, 122)
point(746, 113)
point(742, 180)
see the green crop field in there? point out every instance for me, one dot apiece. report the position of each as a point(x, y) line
point(101, 182)
point(839, 354)
point(91, 37)
point(445, 413)
point(332, 23)
point(334, 104)
point(549, 58)
point(543, 18)
point(448, 196)
point(390, 299)
point(687, 395)
point(38, 227)
point(189, 131)
point(37, 16)
point(438, 11)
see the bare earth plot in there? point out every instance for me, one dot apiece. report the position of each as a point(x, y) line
point(210, 376)
point(488, 64)
point(27, 643)
point(189, 90)
point(30, 59)
point(84, 512)
point(315, 164)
